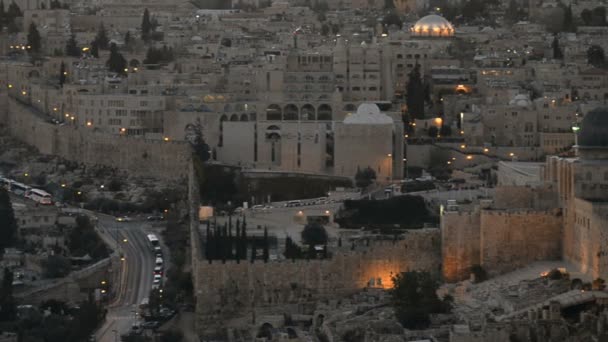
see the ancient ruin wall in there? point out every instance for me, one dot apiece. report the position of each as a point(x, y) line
point(151, 158)
point(460, 243)
point(513, 239)
point(233, 289)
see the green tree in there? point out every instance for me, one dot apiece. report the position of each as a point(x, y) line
point(314, 234)
point(7, 302)
point(598, 16)
point(13, 11)
point(128, 38)
point(94, 49)
point(445, 131)
point(586, 16)
point(414, 298)
point(557, 51)
point(365, 177)
point(596, 56)
point(3, 15)
point(146, 26)
point(569, 25)
point(102, 37)
point(56, 266)
point(8, 224)
point(325, 29)
point(266, 252)
point(62, 74)
point(71, 47)
point(415, 94)
point(116, 62)
point(33, 38)
point(389, 4)
point(513, 14)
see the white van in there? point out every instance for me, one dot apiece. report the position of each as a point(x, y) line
point(159, 261)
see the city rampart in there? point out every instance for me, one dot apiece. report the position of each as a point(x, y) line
point(151, 158)
point(512, 239)
point(460, 243)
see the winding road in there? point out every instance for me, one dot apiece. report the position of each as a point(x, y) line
point(135, 276)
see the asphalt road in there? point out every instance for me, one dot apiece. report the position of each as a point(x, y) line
point(136, 275)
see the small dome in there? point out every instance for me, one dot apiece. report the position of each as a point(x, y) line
point(521, 100)
point(368, 114)
point(594, 129)
point(432, 25)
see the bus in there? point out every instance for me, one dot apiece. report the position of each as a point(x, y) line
point(19, 188)
point(40, 196)
point(154, 243)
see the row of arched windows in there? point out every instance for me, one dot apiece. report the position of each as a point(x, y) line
point(291, 112)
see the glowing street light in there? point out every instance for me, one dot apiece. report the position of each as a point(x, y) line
point(486, 150)
point(469, 157)
point(166, 138)
point(463, 146)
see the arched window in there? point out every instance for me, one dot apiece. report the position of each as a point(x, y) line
point(308, 112)
point(244, 117)
point(324, 112)
point(274, 112)
point(234, 117)
point(290, 112)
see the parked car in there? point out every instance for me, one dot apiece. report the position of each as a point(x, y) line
point(158, 270)
point(123, 219)
point(155, 218)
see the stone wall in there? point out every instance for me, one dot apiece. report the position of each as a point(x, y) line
point(73, 288)
point(227, 290)
point(150, 158)
point(498, 240)
point(513, 239)
point(460, 244)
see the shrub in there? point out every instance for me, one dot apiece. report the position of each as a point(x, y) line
point(479, 273)
point(314, 234)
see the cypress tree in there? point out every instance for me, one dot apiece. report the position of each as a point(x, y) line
point(340, 242)
point(146, 26)
point(2, 15)
point(210, 246)
point(229, 245)
point(102, 37)
point(94, 49)
point(7, 302)
point(266, 243)
point(8, 224)
point(244, 240)
point(71, 48)
point(237, 240)
point(415, 94)
point(62, 74)
point(208, 242)
point(33, 38)
point(116, 62)
point(253, 251)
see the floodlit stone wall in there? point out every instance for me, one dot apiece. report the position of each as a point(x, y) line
point(232, 289)
point(150, 158)
point(460, 242)
point(513, 239)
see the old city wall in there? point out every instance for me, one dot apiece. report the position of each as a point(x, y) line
point(511, 239)
point(460, 244)
point(158, 159)
point(233, 289)
point(73, 288)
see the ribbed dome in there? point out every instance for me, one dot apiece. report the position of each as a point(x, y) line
point(594, 129)
point(432, 25)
